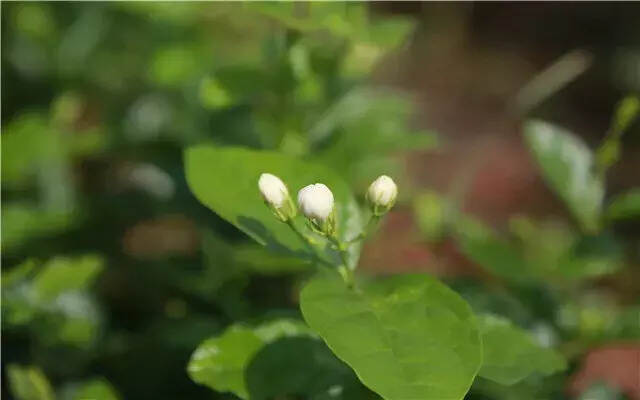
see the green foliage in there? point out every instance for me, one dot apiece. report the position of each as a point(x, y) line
point(567, 165)
point(510, 354)
point(406, 337)
point(29, 383)
point(60, 275)
point(625, 205)
point(489, 250)
point(302, 366)
point(102, 105)
point(52, 298)
point(95, 389)
point(365, 128)
point(226, 179)
point(609, 151)
point(220, 362)
point(22, 222)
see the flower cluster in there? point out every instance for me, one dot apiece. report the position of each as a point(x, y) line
point(316, 201)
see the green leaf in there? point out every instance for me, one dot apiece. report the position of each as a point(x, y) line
point(592, 256)
point(53, 299)
point(567, 166)
point(18, 274)
point(226, 181)
point(24, 221)
point(96, 389)
point(66, 274)
point(626, 112)
point(29, 383)
point(625, 206)
point(300, 366)
point(406, 337)
point(609, 151)
point(220, 362)
point(510, 354)
point(213, 95)
point(485, 247)
point(173, 66)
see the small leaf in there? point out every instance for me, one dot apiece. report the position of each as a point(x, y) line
point(65, 274)
point(625, 206)
point(226, 180)
point(29, 383)
point(609, 151)
point(567, 166)
point(18, 274)
point(510, 354)
point(220, 362)
point(406, 337)
point(22, 222)
point(626, 112)
point(483, 246)
point(96, 389)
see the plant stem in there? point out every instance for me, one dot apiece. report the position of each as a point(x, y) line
point(373, 221)
point(345, 271)
point(306, 239)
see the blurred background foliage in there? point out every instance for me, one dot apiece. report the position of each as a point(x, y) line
point(113, 273)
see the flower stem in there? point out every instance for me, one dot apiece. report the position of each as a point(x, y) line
point(345, 271)
point(306, 239)
point(371, 224)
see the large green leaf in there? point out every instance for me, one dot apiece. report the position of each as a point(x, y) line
point(510, 354)
point(220, 362)
point(567, 165)
point(226, 180)
point(406, 337)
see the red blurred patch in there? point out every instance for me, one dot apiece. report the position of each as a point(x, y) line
point(617, 365)
point(398, 247)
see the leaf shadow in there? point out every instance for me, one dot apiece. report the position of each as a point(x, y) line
point(301, 367)
point(250, 224)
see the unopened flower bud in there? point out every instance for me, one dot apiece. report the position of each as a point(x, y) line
point(382, 194)
point(316, 203)
point(276, 196)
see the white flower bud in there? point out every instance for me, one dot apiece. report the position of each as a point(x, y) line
point(382, 194)
point(316, 202)
point(276, 195)
point(273, 190)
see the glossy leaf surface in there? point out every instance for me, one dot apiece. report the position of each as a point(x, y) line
point(406, 337)
point(567, 165)
point(226, 181)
